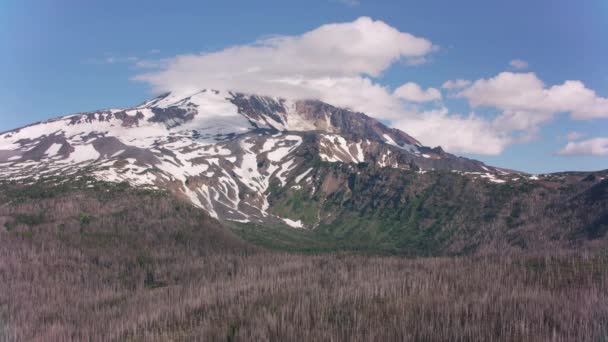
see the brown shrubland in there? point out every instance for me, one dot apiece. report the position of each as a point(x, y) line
point(51, 292)
point(150, 269)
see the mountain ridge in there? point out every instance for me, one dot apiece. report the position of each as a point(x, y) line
point(305, 175)
point(217, 149)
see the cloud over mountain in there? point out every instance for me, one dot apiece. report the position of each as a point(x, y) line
point(287, 64)
point(343, 64)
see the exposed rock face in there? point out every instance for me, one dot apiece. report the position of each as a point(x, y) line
point(225, 152)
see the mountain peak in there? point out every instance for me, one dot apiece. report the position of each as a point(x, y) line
point(223, 151)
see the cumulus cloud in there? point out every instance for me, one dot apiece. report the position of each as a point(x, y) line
point(337, 63)
point(413, 92)
point(590, 147)
point(356, 93)
point(362, 48)
point(456, 84)
point(524, 104)
point(518, 64)
point(455, 133)
point(526, 101)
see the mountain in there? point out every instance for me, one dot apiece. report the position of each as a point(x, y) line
point(260, 164)
point(223, 151)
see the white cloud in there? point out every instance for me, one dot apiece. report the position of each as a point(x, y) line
point(526, 101)
point(357, 93)
point(592, 147)
point(456, 84)
point(518, 64)
point(575, 135)
point(525, 104)
point(360, 48)
point(413, 92)
point(455, 133)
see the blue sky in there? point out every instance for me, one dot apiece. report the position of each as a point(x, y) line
point(64, 56)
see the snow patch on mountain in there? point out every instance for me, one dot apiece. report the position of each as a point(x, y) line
point(292, 223)
point(222, 151)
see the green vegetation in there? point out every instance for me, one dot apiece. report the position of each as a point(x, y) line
point(56, 186)
point(283, 238)
point(298, 206)
point(368, 209)
point(84, 219)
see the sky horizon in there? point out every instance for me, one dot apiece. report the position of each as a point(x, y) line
point(519, 85)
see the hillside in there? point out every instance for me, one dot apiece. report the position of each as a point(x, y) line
point(304, 175)
point(97, 261)
point(370, 209)
point(221, 151)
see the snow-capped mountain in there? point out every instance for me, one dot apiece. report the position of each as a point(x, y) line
point(223, 151)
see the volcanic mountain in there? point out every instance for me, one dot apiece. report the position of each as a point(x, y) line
point(261, 162)
point(223, 151)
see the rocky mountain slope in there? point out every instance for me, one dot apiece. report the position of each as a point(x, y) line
point(222, 151)
point(263, 165)
point(364, 207)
